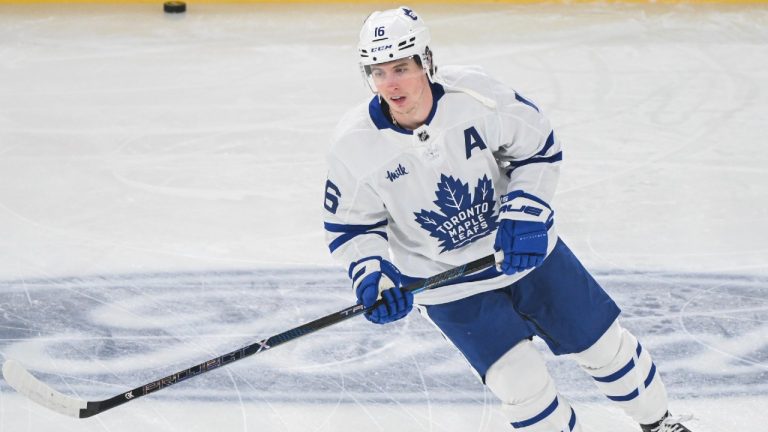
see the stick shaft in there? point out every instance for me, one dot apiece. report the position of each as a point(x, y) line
point(26, 384)
point(279, 339)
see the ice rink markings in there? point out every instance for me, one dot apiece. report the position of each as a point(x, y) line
point(337, 364)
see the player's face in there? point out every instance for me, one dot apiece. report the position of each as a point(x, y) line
point(403, 85)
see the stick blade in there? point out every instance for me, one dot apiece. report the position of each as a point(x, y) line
point(23, 382)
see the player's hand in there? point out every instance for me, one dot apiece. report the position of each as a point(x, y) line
point(378, 278)
point(522, 232)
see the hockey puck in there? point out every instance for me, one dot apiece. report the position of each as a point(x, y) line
point(174, 7)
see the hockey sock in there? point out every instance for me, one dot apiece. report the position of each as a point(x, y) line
point(626, 374)
point(528, 395)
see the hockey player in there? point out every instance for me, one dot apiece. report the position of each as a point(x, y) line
point(443, 167)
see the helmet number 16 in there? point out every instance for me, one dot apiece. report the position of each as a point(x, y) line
point(378, 31)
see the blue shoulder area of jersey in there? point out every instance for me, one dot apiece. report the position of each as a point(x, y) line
point(383, 122)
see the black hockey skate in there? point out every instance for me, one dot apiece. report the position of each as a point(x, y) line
point(667, 424)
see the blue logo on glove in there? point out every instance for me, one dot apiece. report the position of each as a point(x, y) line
point(533, 211)
point(464, 217)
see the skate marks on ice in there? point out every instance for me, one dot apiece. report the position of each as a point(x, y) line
point(708, 333)
point(96, 336)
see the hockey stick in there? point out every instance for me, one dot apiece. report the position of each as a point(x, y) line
point(20, 379)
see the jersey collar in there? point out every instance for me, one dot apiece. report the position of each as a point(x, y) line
point(376, 111)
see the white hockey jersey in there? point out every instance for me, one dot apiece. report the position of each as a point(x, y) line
point(428, 199)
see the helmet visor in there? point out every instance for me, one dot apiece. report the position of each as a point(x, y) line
point(396, 70)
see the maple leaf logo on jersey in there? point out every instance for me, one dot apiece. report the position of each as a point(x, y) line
point(463, 217)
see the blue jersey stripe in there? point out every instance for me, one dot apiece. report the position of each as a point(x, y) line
point(526, 101)
point(340, 240)
point(548, 145)
point(557, 157)
point(351, 231)
point(572, 421)
point(343, 228)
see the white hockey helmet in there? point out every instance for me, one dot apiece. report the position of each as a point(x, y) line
point(392, 35)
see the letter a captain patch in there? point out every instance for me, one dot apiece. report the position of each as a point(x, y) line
point(472, 139)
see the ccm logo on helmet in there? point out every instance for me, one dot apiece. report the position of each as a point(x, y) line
point(409, 13)
point(381, 48)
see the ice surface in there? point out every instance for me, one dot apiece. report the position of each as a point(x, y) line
point(160, 190)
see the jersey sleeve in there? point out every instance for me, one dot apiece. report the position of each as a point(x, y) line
point(529, 150)
point(355, 218)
